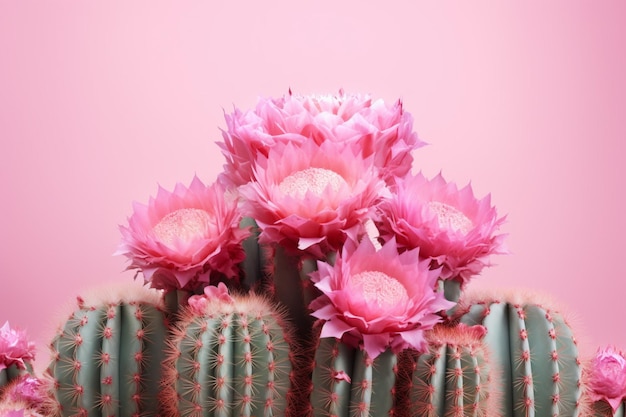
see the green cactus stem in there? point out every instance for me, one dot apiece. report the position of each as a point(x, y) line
point(453, 378)
point(347, 382)
point(13, 372)
point(230, 359)
point(107, 357)
point(253, 264)
point(535, 351)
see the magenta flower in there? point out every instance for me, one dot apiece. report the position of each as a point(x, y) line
point(311, 198)
point(381, 299)
point(27, 389)
point(198, 303)
point(608, 377)
point(450, 226)
point(185, 239)
point(15, 348)
point(379, 130)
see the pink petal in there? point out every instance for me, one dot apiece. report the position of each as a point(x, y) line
point(335, 328)
point(375, 344)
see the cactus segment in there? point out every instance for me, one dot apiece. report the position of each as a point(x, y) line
point(361, 390)
point(107, 359)
point(331, 378)
point(347, 382)
point(11, 373)
point(252, 265)
point(233, 359)
point(536, 354)
point(452, 379)
point(383, 371)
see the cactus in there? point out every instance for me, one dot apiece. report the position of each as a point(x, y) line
point(252, 266)
point(454, 378)
point(603, 409)
point(107, 356)
point(13, 373)
point(534, 350)
point(347, 382)
point(229, 358)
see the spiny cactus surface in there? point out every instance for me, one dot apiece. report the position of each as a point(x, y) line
point(454, 378)
point(535, 352)
point(107, 358)
point(347, 382)
point(230, 359)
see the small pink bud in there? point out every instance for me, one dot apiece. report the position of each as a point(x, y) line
point(341, 376)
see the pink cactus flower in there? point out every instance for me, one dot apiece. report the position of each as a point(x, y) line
point(377, 299)
point(185, 239)
point(607, 380)
point(450, 226)
point(310, 198)
point(15, 348)
point(198, 303)
point(377, 129)
point(27, 389)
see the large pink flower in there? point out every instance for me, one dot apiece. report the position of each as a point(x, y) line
point(15, 348)
point(185, 239)
point(381, 299)
point(450, 226)
point(379, 130)
point(608, 377)
point(311, 198)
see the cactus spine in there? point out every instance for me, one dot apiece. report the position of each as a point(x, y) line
point(232, 358)
point(536, 354)
point(107, 357)
point(347, 382)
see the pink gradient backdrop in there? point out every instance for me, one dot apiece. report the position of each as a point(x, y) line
point(100, 102)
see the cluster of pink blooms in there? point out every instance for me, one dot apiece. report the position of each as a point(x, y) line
point(322, 176)
point(607, 379)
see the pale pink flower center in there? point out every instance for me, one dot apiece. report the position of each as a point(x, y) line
point(451, 218)
point(183, 225)
point(378, 287)
point(313, 179)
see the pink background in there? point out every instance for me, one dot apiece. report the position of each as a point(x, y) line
point(102, 101)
